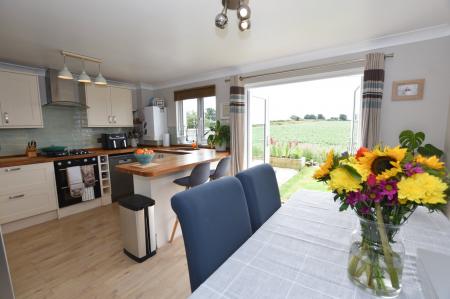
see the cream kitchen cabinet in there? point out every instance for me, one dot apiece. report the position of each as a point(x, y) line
point(20, 104)
point(26, 191)
point(109, 106)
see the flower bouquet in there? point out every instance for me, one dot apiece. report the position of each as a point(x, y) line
point(384, 186)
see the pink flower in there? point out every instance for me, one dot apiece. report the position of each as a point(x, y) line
point(371, 180)
point(388, 189)
point(410, 169)
point(374, 194)
point(355, 197)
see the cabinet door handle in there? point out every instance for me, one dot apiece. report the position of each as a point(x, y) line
point(114, 119)
point(17, 196)
point(6, 116)
point(109, 119)
point(12, 169)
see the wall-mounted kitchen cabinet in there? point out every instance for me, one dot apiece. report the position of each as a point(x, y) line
point(109, 106)
point(20, 105)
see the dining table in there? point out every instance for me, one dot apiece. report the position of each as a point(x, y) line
point(301, 251)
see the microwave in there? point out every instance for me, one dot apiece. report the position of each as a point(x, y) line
point(114, 141)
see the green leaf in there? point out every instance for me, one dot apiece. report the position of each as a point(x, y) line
point(411, 140)
point(429, 150)
point(352, 171)
point(343, 207)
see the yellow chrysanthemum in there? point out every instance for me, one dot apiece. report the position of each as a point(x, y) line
point(422, 188)
point(341, 179)
point(384, 163)
point(431, 162)
point(324, 169)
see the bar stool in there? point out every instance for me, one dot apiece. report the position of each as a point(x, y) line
point(198, 176)
point(222, 169)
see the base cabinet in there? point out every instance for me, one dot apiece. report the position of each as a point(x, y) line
point(27, 191)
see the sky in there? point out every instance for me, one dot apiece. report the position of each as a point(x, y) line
point(330, 97)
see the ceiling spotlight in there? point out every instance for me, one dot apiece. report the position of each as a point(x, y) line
point(243, 12)
point(100, 80)
point(84, 78)
point(221, 18)
point(244, 25)
point(65, 73)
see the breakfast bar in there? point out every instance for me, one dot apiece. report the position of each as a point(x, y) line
point(155, 180)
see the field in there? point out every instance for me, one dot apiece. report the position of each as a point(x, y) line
point(314, 137)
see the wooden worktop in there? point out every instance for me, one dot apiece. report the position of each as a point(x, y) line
point(11, 161)
point(173, 163)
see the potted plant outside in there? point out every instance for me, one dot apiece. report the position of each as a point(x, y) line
point(219, 137)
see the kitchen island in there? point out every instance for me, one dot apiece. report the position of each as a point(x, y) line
point(156, 181)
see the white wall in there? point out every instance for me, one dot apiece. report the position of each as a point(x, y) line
point(427, 59)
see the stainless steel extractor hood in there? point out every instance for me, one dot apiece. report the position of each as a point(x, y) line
point(60, 92)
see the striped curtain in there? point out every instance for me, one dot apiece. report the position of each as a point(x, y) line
point(237, 124)
point(371, 99)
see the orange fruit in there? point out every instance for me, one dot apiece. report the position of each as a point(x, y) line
point(140, 151)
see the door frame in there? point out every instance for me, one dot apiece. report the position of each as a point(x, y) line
point(266, 129)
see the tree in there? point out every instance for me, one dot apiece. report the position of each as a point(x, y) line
point(295, 117)
point(320, 116)
point(342, 117)
point(210, 117)
point(191, 119)
point(310, 116)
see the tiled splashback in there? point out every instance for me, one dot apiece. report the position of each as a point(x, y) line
point(62, 126)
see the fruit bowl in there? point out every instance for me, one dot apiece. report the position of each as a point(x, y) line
point(144, 156)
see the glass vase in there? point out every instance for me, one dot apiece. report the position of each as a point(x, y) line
point(376, 258)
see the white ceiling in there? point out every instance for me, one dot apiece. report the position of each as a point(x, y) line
point(159, 41)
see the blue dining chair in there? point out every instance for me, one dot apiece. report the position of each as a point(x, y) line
point(262, 193)
point(215, 222)
point(222, 169)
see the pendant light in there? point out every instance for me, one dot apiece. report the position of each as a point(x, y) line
point(65, 73)
point(84, 77)
point(100, 80)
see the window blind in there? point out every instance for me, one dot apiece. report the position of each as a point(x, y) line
point(193, 93)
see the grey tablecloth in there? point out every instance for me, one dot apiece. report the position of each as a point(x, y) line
point(302, 252)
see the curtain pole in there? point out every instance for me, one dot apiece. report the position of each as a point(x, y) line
point(242, 78)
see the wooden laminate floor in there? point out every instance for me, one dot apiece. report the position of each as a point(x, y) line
point(81, 257)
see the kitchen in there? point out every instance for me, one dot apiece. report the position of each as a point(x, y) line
point(65, 133)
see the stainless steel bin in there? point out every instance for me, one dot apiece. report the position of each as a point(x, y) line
point(137, 221)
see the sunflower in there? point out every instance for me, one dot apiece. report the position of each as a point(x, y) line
point(422, 188)
point(384, 163)
point(431, 162)
point(324, 169)
point(341, 180)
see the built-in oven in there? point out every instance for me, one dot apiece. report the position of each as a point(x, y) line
point(65, 196)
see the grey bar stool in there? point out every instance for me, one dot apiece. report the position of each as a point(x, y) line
point(222, 169)
point(199, 175)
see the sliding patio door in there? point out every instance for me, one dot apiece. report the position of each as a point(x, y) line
point(258, 130)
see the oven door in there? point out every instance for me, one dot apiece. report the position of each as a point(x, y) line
point(64, 197)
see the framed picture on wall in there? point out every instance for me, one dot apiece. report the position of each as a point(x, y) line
point(408, 90)
point(225, 111)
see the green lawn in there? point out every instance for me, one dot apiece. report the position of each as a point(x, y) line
point(315, 137)
point(302, 180)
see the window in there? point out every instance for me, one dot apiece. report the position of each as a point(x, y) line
point(196, 113)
